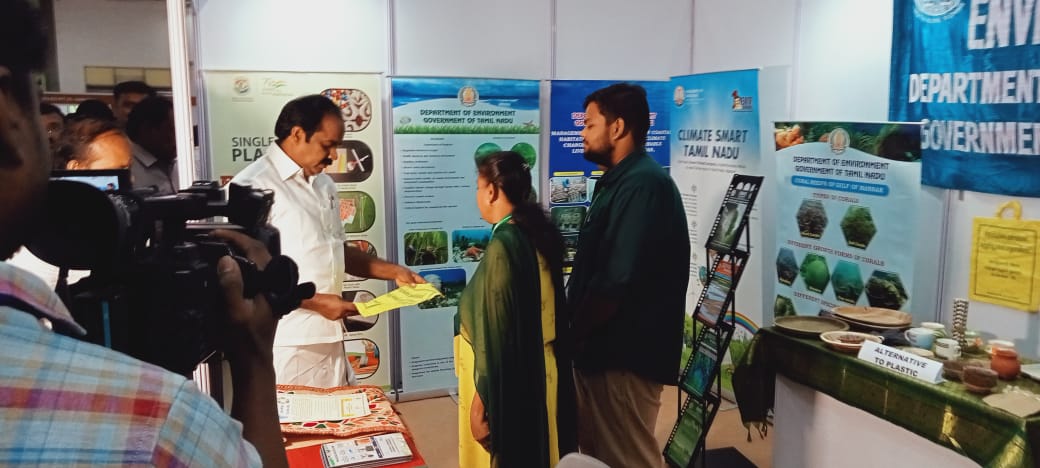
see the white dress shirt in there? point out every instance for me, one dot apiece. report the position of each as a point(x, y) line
point(306, 214)
point(148, 171)
point(25, 260)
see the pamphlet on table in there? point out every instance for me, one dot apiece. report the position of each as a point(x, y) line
point(362, 452)
point(295, 407)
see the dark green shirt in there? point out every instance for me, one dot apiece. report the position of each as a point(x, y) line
point(628, 285)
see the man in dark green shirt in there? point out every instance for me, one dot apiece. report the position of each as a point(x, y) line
point(628, 285)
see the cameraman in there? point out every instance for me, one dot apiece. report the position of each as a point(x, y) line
point(67, 402)
point(86, 143)
point(309, 344)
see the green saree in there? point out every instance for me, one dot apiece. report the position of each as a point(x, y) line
point(500, 316)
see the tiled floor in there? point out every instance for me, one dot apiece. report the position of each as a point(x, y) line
point(434, 424)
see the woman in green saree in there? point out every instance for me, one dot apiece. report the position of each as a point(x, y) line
point(516, 392)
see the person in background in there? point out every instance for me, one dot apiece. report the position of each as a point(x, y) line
point(512, 340)
point(66, 402)
point(53, 123)
point(94, 109)
point(94, 144)
point(85, 144)
point(154, 144)
point(308, 349)
point(619, 293)
point(125, 96)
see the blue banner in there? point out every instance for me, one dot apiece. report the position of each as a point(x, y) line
point(571, 177)
point(567, 118)
point(962, 67)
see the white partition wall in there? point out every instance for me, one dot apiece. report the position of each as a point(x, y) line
point(842, 49)
point(738, 34)
point(97, 32)
point(493, 38)
point(304, 35)
point(838, 50)
point(622, 39)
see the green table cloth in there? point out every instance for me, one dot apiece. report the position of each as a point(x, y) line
point(944, 413)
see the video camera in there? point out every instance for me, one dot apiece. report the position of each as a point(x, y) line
point(153, 290)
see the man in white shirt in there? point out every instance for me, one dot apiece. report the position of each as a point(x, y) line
point(308, 347)
point(150, 128)
point(125, 97)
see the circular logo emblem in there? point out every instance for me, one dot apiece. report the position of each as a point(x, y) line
point(241, 85)
point(839, 140)
point(937, 10)
point(468, 96)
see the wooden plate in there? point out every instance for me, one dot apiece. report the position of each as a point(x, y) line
point(847, 341)
point(808, 325)
point(857, 325)
point(874, 316)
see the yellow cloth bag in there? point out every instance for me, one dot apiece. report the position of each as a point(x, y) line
point(1004, 260)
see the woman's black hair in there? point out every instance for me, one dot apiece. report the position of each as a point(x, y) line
point(511, 174)
point(92, 109)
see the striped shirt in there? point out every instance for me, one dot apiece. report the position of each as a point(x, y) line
point(64, 402)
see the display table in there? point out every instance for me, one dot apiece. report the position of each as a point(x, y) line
point(813, 429)
point(944, 414)
point(304, 439)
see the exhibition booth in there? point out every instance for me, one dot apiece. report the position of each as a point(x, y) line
point(858, 276)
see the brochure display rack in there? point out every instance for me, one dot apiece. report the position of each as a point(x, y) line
point(728, 248)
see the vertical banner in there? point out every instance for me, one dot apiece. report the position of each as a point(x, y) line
point(242, 109)
point(571, 177)
point(962, 66)
point(715, 134)
point(845, 229)
point(441, 127)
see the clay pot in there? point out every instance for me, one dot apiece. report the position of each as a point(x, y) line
point(979, 379)
point(1005, 363)
point(953, 370)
